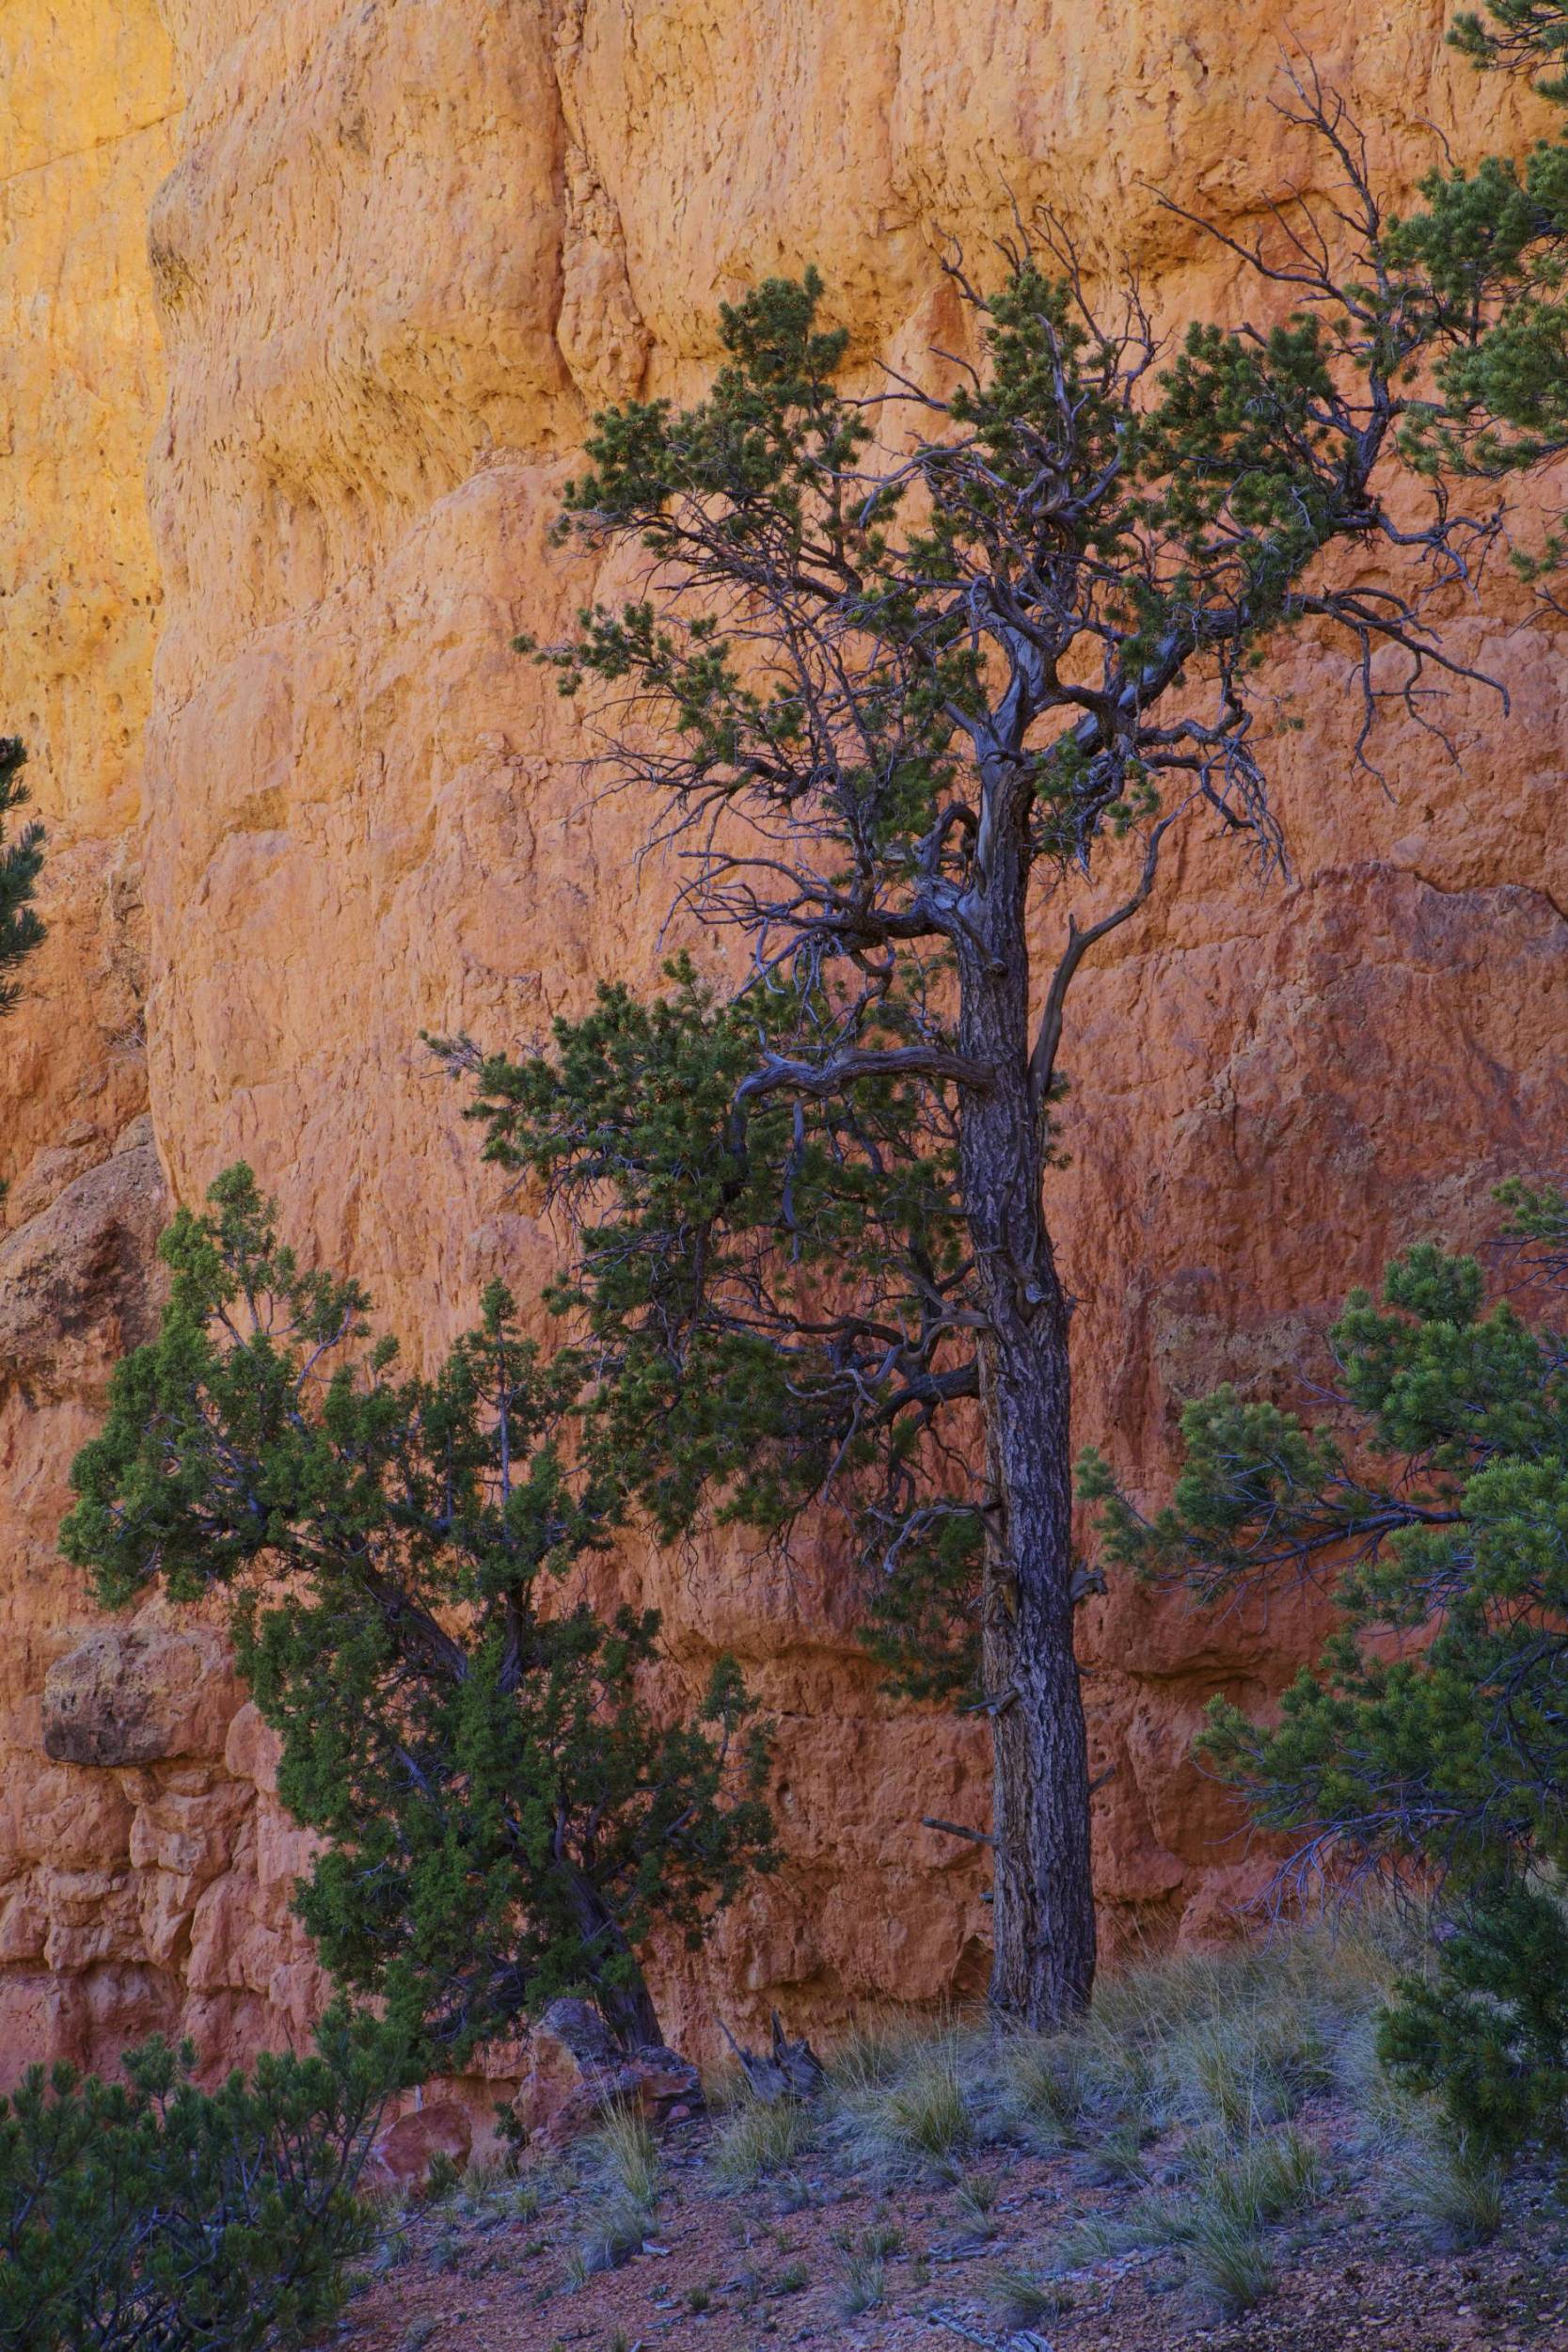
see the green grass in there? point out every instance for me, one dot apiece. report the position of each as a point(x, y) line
point(757, 2141)
point(613, 2235)
point(925, 2112)
point(1452, 2194)
point(627, 2148)
point(979, 2194)
point(863, 2283)
point(874, 2053)
point(1020, 2299)
point(1229, 2265)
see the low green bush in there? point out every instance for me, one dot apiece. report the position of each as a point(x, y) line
point(149, 2216)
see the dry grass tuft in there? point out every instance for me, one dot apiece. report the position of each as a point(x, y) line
point(1018, 2298)
point(611, 2239)
point(862, 2282)
point(876, 2050)
point(1229, 2265)
point(925, 2112)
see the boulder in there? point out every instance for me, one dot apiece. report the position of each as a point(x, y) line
point(404, 2155)
point(80, 1282)
point(139, 1694)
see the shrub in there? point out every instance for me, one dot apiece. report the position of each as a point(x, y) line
point(1441, 1492)
point(507, 1821)
point(1488, 2029)
point(148, 2213)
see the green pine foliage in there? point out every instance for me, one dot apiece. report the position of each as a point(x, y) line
point(21, 861)
point(1493, 241)
point(850, 679)
point(709, 1213)
point(506, 1816)
point(147, 2216)
point(1521, 35)
point(1436, 1496)
point(1487, 2030)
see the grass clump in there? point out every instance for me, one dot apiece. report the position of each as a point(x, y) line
point(1249, 2068)
point(1454, 2193)
point(926, 2113)
point(874, 2051)
point(1228, 2263)
point(626, 2146)
point(757, 2139)
point(1266, 2180)
point(611, 2239)
point(978, 2193)
point(863, 2283)
point(1116, 2159)
point(1018, 2298)
point(1069, 2089)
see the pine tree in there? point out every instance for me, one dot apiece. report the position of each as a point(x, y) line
point(1527, 37)
point(1437, 1501)
point(505, 1816)
point(21, 926)
point(895, 713)
point(147, 2216)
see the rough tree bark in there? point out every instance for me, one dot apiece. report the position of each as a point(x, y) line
point(1043, 1901)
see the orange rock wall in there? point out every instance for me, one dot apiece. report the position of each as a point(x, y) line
point(394, 254)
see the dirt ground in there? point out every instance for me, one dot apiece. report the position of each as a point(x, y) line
point(783, 2264)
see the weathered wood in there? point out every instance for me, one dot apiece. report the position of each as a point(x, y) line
point(791, 2071)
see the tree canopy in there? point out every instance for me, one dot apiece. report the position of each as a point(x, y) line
point(917, 689)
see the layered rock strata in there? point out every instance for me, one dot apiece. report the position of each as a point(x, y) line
point(396, 253)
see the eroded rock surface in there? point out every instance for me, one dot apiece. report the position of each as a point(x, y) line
point(397, 251)
point(139, 1694)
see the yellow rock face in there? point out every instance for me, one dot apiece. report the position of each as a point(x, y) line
point(398, 253)
point(86, 135)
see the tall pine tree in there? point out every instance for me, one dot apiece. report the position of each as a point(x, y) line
point(895, 713)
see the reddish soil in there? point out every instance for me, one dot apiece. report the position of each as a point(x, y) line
point(768, 2270)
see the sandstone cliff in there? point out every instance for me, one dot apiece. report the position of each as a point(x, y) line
point(313, 298)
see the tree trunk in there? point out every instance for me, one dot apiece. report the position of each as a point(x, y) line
point(623, 2002)
point(1043, 1902)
